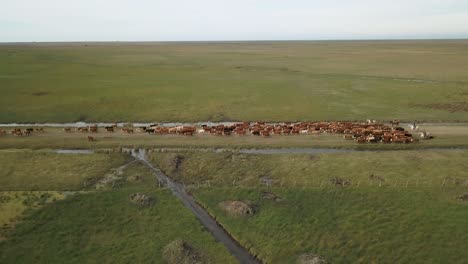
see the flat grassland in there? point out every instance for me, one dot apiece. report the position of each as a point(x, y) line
point(270, 81)
point(91, 223)
point(46, 171)
point(372, 207)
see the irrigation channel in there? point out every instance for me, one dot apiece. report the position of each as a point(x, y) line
point(240, 253)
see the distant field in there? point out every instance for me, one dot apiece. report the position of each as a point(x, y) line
point(408, 80)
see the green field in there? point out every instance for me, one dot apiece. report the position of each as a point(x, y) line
point(395, 207)
point(88, 224)
point(47, 171)
point(407, 80)
point(362, 225)
point(368, 168)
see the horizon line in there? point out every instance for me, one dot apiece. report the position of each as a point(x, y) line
point(229, 41)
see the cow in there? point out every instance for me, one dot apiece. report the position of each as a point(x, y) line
point(15, 131)
point(256, 132)
point(140, 129)
point(27, 133)
point(425, 135)
point(265, 133)
point(109, 129)
point(91, 139)
point(93, 129)
point(150, 130)
point(39, 129)
point(413, 126)
point(127, 130)
point(67, 130)
point(2, 132)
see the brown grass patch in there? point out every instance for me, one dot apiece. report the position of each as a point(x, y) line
point(40, 94)
point(237, 208)
point(181, 252)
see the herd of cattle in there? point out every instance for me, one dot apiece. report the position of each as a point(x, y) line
point(368, 132)
point(21, 132)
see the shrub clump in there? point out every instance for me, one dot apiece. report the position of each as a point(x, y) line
point(237, 208)
point(181, 252)
point(141, 199)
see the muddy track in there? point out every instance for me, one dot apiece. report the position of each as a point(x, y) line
point(240, 253)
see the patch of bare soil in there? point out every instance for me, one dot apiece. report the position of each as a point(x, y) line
point(177, 162)
point(181, 252)
point(463, 197)
point(237, 208)
point(90, 181)
point(376, 178)
point(40, 94)
point(270, 196)
point(450, 107)
point(141, 199)
point(266, 181)
point(310, 258)
point(135, 178)
point(340, 182)
point(457, 181)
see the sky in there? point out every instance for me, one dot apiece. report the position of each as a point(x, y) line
point(217, 20)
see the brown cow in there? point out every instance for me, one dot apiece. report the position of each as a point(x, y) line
point(127, 130)
point(67, 130)
point(91, 139)
point(93, 129)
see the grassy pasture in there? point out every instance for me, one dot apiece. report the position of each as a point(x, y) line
point(48, 171)
point(373, 169)
point(364, 225)
point(408, 80)
point(398, 206)
point(105, 227)
point(93, 226)
point(16, 203)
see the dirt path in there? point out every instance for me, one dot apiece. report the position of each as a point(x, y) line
point(240, 253)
